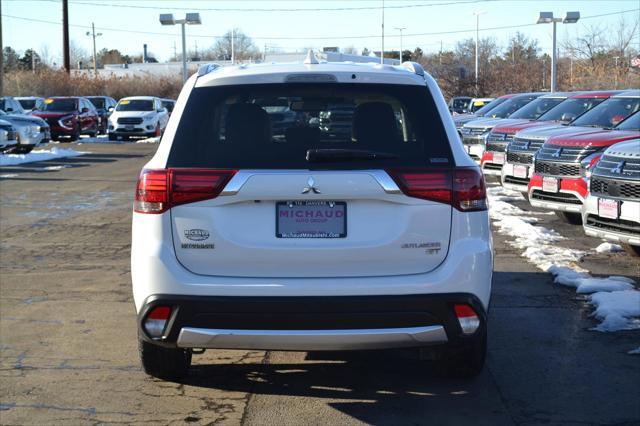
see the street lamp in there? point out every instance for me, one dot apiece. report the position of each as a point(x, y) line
point(400, 29)
point(94, 35)
point(547, 18)
point(190, 19)
point(477, 14)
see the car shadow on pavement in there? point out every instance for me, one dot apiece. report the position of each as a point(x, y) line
point(375, 387)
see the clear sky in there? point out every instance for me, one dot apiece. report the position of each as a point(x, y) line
point(127, 25)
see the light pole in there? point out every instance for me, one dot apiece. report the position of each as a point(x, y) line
point(382, 51)
point(93, 34)
point(233, 52)
point(547, 18)
point(190, 19)
point(477, 14)
point(615, 71)
point(400, 29)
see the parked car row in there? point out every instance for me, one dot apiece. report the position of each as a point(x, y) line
point(28, 122)
point(577, 154)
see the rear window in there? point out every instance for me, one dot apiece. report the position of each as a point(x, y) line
point(536, 108)
point(609, 113)
point(135, 105)
point(273, 126)
point(509, 107)
point(62, 105)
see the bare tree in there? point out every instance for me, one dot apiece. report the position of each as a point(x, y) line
point(243, 47)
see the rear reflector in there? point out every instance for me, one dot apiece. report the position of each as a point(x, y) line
point(467, 318)
point(159, 190)
point(156, 320)
point(462, 188)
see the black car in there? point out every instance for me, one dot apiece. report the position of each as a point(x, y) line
point(104, 105)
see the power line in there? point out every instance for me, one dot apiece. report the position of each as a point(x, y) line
point(315, 9)
point(314, 37)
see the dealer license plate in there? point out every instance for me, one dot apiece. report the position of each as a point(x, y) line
point(520, 171)
point(311, 219)
point(609, 209)
point(550, 184)
point(498, 157)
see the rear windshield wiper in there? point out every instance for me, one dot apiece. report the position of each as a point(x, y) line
point(331, 155)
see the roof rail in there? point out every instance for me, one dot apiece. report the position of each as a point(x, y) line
point(207, 68)
point(414, 67)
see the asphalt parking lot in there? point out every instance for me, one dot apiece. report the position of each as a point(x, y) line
point(68, 347)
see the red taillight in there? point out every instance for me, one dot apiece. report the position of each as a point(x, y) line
point(188, 186)
point(159, 190)
point(462, 188)
point(156, 320)
point(467, 318)
point(470, 193)
point(429, 185)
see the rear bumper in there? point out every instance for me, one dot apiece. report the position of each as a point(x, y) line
point(312, 323)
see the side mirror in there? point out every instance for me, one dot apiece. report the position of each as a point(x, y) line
point(110, 109)
point(567, 117)
point(85, 109)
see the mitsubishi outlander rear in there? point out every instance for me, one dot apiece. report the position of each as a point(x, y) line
point(311, 237)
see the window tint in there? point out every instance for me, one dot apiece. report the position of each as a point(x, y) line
point(27, 103)
point(492, 105)
point(97, 102)
point(135, 105)
point(631, 123)
point(570, 109)
point(273, 126)
point(64, 104)
point(536, 108)
point(609, 113)
point(510, 106)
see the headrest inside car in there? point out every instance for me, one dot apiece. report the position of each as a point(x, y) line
point(247, 124)
point(374, 123)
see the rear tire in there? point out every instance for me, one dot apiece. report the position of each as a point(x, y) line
point(112, 137)
point(164, 363)
point(467, 360)
point(570, 217)
point(632, 250)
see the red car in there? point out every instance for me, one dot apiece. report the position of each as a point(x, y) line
point(564, 163)
point(69, 117)
point(566, 109)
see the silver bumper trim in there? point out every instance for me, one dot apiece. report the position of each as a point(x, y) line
point(307, 340)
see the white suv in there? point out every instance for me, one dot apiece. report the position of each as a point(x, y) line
point(138, 116)
point(310, 238)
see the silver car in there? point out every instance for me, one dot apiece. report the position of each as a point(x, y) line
point(31, 131)
point(8, 136)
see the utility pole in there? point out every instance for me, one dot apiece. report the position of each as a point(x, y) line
point(65, 36)
point(175, 51)
point(382, 51)
point(1, 54)
point(477, 38)
point(95, 58)
point(233, 52)
point(615, 71)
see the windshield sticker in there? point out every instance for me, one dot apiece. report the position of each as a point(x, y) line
point(124, 102)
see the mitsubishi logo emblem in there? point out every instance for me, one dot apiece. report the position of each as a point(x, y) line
point(310, 187)
point(618, 168)
point(557, 154)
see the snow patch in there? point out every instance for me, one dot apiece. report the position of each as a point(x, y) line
point(617, 310)
point(616, 301)
point(149, 140)
point(608, 248)
point(40, 155)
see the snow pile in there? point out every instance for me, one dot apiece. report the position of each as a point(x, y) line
point(40, 155)
point(608, 248)
point(616, 301)
point(617, 310)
